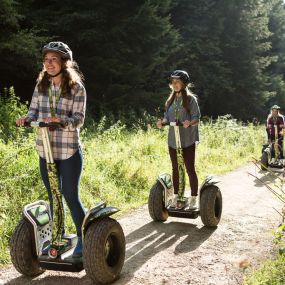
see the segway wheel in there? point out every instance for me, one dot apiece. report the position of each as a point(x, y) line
point(264, 161)
point(104, 250)
point(156, 206)
point(23, 254)
point(211, 206)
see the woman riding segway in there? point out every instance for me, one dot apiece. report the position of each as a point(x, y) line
point(57, 110)
point(275, 120)
point(181, 106)
point(60, 97)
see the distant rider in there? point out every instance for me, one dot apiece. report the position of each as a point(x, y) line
point(275, 119)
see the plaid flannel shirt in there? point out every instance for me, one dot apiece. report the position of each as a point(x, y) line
point(64, 141)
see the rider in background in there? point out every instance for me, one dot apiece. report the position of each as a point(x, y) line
point(275, 119)
point(182, 106)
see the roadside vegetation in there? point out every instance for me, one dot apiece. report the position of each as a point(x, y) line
point(272, 271)
point(121, 162)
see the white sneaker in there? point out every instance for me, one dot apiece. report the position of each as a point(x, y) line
point(173, 201)
point(193, 202)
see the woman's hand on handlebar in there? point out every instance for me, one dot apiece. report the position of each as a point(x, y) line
point(22, 121)
point(52, 120)
point(186, 124)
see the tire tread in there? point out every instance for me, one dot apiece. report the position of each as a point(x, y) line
point(207, 206)
point(93, 251)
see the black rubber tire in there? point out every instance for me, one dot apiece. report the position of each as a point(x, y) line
point(156, 207)
point(101, 266)
point(211, 205)
point(264, 161)
point(22, 253)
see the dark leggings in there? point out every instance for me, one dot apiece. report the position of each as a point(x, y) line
point(189, 160)
point(69, 171)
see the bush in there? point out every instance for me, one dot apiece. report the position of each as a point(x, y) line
point(10, 110)
point(120, 164)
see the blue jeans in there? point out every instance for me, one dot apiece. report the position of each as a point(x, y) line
point(69, 172)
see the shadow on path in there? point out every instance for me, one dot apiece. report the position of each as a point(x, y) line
point(141, 245)
point(267, 178)
point(150, 239)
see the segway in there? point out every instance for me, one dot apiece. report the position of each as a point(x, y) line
point(103, 238)
point(162, 194)
point(272, 157)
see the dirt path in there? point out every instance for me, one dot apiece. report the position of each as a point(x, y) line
point(182, 251)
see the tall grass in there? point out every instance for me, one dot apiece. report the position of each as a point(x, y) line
point(120, 165)
point(272, 272)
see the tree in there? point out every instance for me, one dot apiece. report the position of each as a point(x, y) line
point(226, 46)
point(19, 45)
point(120, 45)
point(276, 70)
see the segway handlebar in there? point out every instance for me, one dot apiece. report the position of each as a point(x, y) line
point(36, 124)
point(172, 124)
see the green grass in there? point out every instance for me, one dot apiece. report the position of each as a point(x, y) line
point(120, 166)
point(272, 272)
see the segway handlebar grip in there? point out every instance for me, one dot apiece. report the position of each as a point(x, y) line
point(173, 124)
point(46, 125)
point(35, 124)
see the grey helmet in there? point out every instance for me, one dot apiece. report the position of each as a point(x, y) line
point(180, 74)
point(59, 47)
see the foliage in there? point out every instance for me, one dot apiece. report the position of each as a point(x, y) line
point(117, 55)
point(120, 165)
point(271, 272)
point(10, 110)
point(277, 68)
point(19, 46)
point(233, 50)
point(227, 50)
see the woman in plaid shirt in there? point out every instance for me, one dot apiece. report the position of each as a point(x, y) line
point(60, 96)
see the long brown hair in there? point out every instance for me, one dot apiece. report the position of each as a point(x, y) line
point(186, 97)
point(71, 75)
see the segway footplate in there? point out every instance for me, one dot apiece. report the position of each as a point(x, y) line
point(183, 213)
point(67, 264)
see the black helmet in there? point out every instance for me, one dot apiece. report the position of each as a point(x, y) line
point(275, 107)
point(59, 47)
point(180, 74)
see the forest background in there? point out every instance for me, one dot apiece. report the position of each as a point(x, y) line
point(233, 50)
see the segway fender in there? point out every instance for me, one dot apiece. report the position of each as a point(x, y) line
point(210, 180)
point(96, 213)
point(165, 180)
point(264, 147)
point(267, 150)
point(38, 215)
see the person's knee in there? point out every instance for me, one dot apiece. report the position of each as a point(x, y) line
point(191, 172)
point(72, 201)
point(70, 195)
